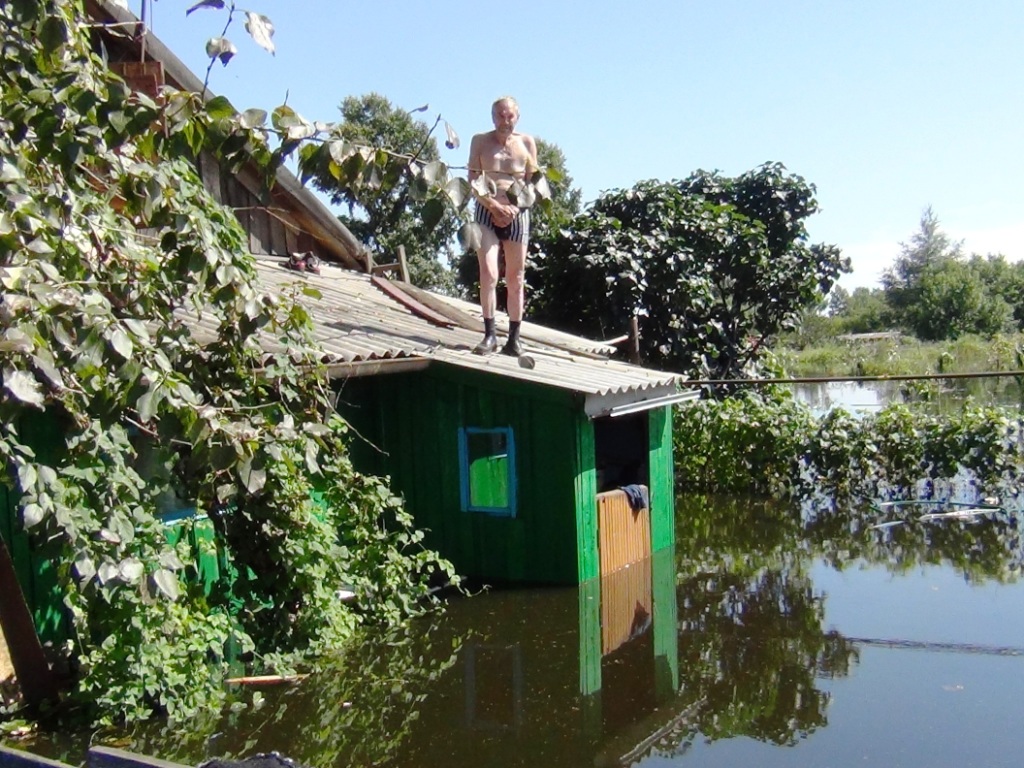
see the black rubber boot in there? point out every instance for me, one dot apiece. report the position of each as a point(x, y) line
point(490, 340)
point(513, 347)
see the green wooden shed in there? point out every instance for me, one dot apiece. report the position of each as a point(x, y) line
point(513, 467)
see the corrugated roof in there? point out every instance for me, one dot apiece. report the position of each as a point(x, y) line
point(356, 322)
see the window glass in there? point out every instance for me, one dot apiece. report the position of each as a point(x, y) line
point(488, 470)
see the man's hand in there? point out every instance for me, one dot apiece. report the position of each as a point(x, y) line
point(502, 214)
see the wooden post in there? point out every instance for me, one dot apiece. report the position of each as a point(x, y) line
point(369, 261)
point(634, 340)
point(402, 264)
point(35, 679)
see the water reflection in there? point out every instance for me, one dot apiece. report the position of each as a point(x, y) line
point(860, 398)
point(772, 635)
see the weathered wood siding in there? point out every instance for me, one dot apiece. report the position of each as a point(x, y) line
point(415, 419)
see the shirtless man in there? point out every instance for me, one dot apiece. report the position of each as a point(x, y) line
point(503, 156)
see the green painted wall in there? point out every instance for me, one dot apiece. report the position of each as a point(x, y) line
point(35, 561)
point(414, 418)
point(585, 483)
point(661, 472)
point(406, 426)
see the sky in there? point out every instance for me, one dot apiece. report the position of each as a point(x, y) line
point(886, 106)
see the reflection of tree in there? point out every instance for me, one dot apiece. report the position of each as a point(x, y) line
point(985, 547)
point(750, 640)
point(751, 643)
point(359, 709)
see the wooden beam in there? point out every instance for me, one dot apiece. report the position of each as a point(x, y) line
point(108, 757)
point(35, 679)
point(415, 306)
point(15, 758)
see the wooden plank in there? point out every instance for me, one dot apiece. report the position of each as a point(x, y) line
point(16, 758)
point(279, 233)
point(413, 305)
point(209, 169)
point(442, 307)
point(624, 534)
point(108, 757)
point(259, 230)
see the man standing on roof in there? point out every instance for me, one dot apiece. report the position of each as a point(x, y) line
point(502, 156)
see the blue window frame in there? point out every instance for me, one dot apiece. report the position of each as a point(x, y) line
point(487, 471)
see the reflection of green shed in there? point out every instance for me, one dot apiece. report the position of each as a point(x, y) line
point(502, 463)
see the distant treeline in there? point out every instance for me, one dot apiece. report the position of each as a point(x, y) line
point(933, 291)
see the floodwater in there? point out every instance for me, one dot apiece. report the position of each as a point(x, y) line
point(774, 635)
point(868, 397)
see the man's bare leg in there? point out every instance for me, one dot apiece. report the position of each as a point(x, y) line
point(515, 279)
point(487, 257)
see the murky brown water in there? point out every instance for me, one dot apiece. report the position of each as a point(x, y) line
point(772, 636)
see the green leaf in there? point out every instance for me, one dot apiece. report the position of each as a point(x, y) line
point(9, 172)
point(54, 33)
point(205, 4)
point(131, 570)
point(483, 186)
point(260, 29)
point(220, 48)
point(458, 191)
point(122, 344)
point(16, 340)
point(167, 583)
point(150, 401)
point(253, 118)
point(32, 515)
point(470, 236)
point(432, 213)
point(435, 172)
point(552, 174)
point(219, 108)
point(85, 569)
point(252, 478)
point(24, 387)
point(452, 141)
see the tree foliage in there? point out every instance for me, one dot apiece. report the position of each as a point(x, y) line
point(770, 444)
point(384, 210)
point(712, 266)
point(936, 293)
point(111, 251)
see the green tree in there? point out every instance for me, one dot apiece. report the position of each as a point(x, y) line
point(863, 311)
point(713, 267)
point(929, 246)
point(566, 201)
point(110, 248)
point(1002, 279)
point(952, 300)
point(381, 210)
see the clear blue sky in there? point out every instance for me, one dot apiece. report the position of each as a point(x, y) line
point(887, 106)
